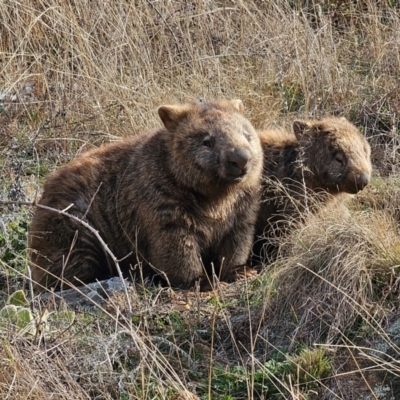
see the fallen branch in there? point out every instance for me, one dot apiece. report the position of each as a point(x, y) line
point(87, 226)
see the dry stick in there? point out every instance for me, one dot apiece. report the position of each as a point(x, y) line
point(30, 282)
point(91, 201)
point(102, 242)
point(91, 229)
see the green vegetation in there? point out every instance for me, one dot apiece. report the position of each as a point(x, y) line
point(272, 379)
point(13, 241)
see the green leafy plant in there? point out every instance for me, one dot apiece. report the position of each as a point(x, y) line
point(18, 315)
point(13, 242)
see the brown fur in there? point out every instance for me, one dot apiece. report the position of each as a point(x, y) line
point(322, 161)
point(175, 200)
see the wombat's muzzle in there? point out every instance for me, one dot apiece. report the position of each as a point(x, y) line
point(238, 162)
point(358, 183)
point(355, 183)
point(362, 181)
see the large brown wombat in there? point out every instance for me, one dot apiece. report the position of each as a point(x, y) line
point(323, 160)
point(175, 201)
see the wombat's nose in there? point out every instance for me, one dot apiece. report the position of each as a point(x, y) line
point(239, 158)
point(362, 180)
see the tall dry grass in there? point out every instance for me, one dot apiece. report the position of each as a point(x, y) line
point(126, 58)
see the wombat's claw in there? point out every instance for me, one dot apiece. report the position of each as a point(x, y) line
point(241, 272)
point(244, 272)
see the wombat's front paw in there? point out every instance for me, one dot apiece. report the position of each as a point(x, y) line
point(241, 272)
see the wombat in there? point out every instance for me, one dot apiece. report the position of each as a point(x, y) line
point(174, 202)
point(322, 162)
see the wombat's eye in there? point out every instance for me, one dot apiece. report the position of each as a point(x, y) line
point(339, 158)
point(207, 141)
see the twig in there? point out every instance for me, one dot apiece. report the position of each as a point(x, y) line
point(30, 282)
point(91, 201)
point(87, 226)
point(102, 242)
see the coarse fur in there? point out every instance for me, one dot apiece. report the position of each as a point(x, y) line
point(323, 162)
point(174, 201)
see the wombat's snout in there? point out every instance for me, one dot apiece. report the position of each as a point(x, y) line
point(238, 162)
point(362, 180)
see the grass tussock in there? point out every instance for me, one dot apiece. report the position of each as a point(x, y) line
point(335, 285)
point(333, 270)
point(75, 75)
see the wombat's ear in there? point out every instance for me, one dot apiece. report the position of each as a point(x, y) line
point(237, 105)
point(172, 115)
point(300, 128)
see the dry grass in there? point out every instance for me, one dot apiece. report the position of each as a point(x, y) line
point(100, 355)
point(116, 62)
point(74, 75)
point(334, 269)
point(336, 285)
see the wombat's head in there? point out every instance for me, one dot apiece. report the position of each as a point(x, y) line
point(212, 144)
point(336, 153)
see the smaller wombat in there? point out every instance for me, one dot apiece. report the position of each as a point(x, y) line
point(322, 160)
